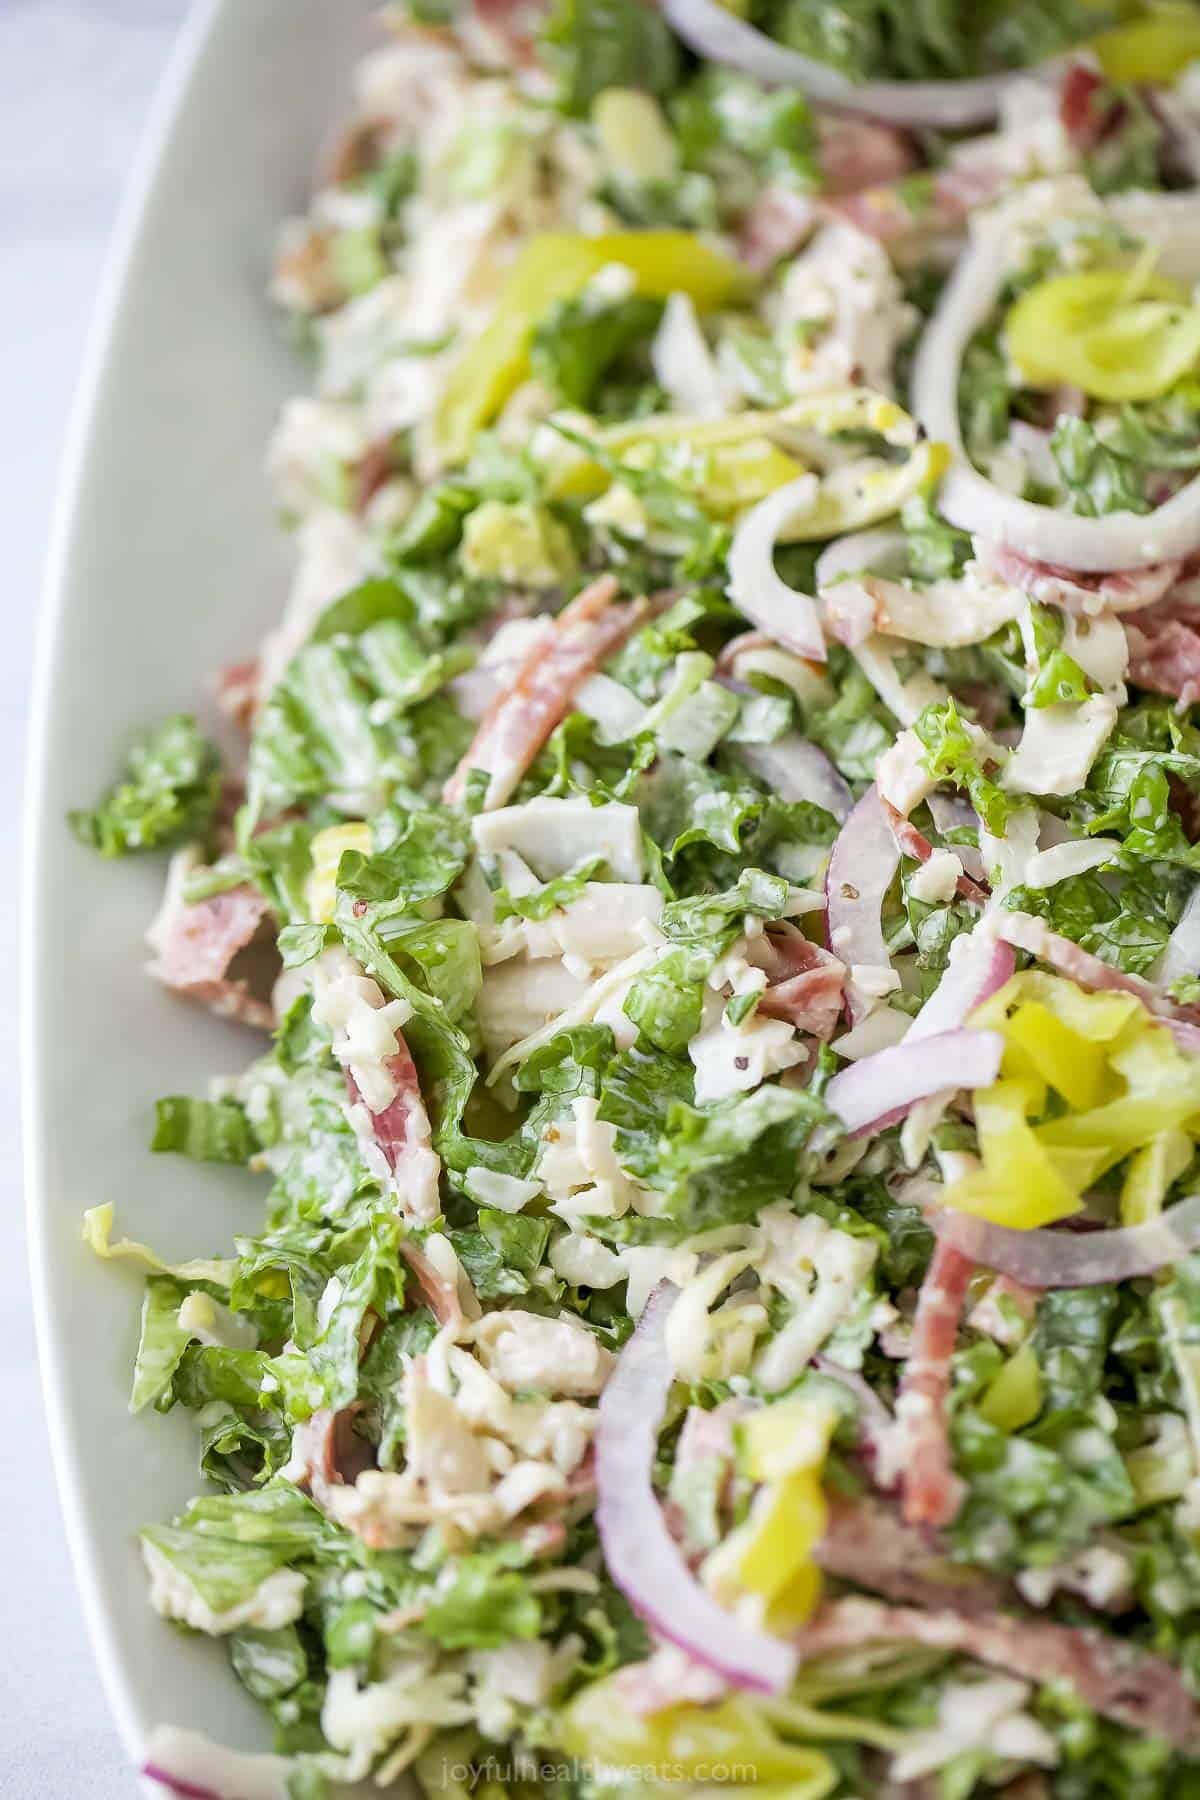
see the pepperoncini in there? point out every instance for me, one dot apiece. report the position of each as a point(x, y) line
point(326, 850)
point(1087, 1080)
point(771, 1555)
point(1151, 1173)
point(556, 266)
point(1155, 48)
point(1014, 1398)
point(1119, 334)
point(730, 464)
point(687, 1743)
point(1020, 1183)
point(780, 1439)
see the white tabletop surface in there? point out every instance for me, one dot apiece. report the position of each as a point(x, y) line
point(76, 77)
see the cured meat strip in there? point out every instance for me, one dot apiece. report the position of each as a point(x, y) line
point(866, 1543)
point(854, 154)
point(1165, 658)
point(807, 986)
point(913, 843)
point(1125, 591)
point(327, 1453)
point(931, 1492)
point(237, 691)
point(1089, 109)
point(195, 944)
point(775, 226)
point(386, 1108)
point(402, 1134)
point(1025, 932)
point(1112, 1676)
point(439, 1294)
point(888, 213)
point(859, 153)
point(519, 721)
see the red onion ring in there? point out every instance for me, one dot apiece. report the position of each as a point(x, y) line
point(1034, 936)
point(794, 769)
point(188, 1790)
point(861, 869)
point(195, 1768)
point(979, 964)
point(876, 1091)
point(642, 1557)
point(1046, 1258)
point(970, 500)
point(951, 812)
point(882, 550)
point(787, 616)
point(713, 32)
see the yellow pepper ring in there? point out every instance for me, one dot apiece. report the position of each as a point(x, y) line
point(1155, 48)
point(1131, 1097)
point(1118, 333)
point(557, 266)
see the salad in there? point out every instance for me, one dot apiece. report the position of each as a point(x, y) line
point(710, 854)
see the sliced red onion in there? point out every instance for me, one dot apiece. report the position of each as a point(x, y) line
point(882, 550)
point(1034, 936)
point(1118, 540)
point(177, 1784)
point(952, 812)
point(190, 1765)
point(979, 964)
point(1059, 1259)
point(712, 31)
point(874, 1093)
point(642, 1556)
point(755, 585)
point(794, 769)
point(861, 869)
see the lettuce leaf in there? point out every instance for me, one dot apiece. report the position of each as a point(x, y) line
point(226, 1545)
point(169, 791)
point(666, 1000)
point(582, 345)
point(381, 1377)
point(715, 1164)
point(268, 1664)
point(1122, 920)
point(205, 1130)
point(484, 1602)
point(375, 1282)
point(716, 919)
point(591, 45)
point(772, 128)
point(937, 550)
point(502, 1255)
point(161, 1342)
point(951, 755)
point(855, 731)
point(350, 714)
point(561, 890)
point(1097, 480)
point(239, 1446)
